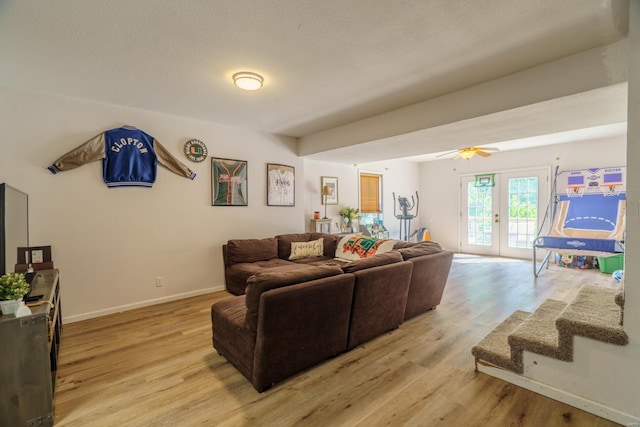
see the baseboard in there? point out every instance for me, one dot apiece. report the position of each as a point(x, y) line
point(563, 396)
point(127, 307)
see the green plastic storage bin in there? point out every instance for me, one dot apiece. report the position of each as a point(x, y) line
point(611, 263)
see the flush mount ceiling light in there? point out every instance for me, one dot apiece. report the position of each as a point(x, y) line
point(247, 80)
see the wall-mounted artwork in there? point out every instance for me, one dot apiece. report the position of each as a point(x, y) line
point(331, 198)
point(281, 187)
point(229, 182)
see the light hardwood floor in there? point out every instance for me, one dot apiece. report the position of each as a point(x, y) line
point(155, 366)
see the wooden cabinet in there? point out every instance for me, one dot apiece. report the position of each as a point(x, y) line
point(29, 357)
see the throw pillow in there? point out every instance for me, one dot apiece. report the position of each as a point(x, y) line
point(310, 249)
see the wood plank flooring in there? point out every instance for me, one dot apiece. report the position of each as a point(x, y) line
point(155, 366)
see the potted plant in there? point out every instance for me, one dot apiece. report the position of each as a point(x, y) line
point(13, 287)
point(349, 214)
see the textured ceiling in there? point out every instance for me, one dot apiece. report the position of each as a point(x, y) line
point(325, 63)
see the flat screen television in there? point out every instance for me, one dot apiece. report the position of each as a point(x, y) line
point(14, 226)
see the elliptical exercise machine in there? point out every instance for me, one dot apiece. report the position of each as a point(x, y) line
point(405, 217)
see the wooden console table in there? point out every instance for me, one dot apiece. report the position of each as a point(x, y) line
point(30, 357)
point(321, 225)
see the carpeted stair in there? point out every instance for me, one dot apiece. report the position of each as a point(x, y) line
point(594, 313)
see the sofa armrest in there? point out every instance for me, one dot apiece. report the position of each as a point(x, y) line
point(299, 326)
point(428, 280)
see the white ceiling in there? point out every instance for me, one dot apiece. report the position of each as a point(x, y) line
point(326, 63)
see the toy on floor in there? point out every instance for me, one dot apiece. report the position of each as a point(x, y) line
point(617, 275)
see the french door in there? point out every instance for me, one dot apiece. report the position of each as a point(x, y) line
point(501, 212)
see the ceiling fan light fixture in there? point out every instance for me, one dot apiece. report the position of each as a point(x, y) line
point(467, 153)
point(247, 80)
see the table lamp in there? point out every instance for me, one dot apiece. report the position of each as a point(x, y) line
point(326, 191)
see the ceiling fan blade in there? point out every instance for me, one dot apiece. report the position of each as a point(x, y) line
point(447, 153)
point(482, 153)
point(487, 148)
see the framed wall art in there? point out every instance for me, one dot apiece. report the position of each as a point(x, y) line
point(281, 185)
point(228, 182)
point(329, 185)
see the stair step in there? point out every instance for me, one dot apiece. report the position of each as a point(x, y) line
point(593, 314)
point(619, 298)
point(538, 334)
point(495, 349)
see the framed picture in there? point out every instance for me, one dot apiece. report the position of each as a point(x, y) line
point(332, 183)
point(281, 185)
point(228, 182)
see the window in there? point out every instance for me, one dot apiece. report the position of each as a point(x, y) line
point(370, 193)
point(371, 205)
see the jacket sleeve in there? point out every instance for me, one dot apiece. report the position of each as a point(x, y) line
point(90, 151)
point(168, 161)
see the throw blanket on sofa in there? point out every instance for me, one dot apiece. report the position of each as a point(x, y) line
point(357, 246)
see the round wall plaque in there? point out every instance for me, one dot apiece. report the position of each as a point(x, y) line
point(195, 150)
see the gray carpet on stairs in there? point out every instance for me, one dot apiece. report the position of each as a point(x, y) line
point(495, 349)
point(549, 331)
point(538, 333)
point(594, 314)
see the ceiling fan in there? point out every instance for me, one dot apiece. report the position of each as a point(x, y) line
point(469, 152)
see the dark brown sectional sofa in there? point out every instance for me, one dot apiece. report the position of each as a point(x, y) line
point(297, 313)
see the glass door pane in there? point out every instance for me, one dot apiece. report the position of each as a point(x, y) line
point(479, 229)
point(479, 215)
point(520, 210)
point(523, 211)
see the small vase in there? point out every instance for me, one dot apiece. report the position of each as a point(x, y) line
point(10, 306)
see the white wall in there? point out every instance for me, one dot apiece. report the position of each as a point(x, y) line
point(111, 244)
point(440, 180)
point(398, 176)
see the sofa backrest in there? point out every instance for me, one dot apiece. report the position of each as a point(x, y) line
point(372, 261)
point(379, 300)
point(412, 250)
point(330, 242)
point(262, 282)
point(250, 250)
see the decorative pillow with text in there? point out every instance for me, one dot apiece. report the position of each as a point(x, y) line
point(310, 249)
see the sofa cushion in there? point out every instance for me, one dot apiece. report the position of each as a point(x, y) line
point(420, 249)
point(268, 280)
point(251, 250)
point(321, 260)
point(357, 246)
point(372, 261)
point(236, 275)
point(310, 249)
point(285, 240)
